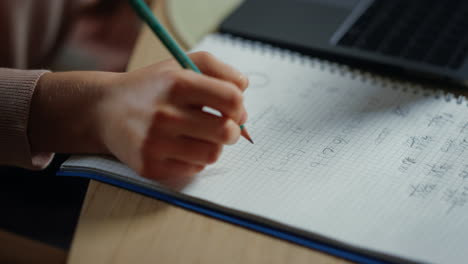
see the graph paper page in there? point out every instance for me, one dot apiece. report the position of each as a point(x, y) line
point(341, 155)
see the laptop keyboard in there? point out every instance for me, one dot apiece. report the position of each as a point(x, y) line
point(430, 31)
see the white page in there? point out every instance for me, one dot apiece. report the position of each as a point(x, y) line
point(340, 155)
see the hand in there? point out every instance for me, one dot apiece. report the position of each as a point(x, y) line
point(152, 118)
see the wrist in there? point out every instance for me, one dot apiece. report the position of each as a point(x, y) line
point(63, 114)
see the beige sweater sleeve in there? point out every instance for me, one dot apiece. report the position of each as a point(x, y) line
point(30, 30)
point(16, 90)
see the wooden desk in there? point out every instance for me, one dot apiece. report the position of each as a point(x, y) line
point(117, 226)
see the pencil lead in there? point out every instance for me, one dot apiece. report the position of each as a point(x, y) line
point(246, 135)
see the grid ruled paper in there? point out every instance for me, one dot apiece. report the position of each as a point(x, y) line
point(338, 154)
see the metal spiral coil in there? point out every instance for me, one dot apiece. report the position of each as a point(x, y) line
point(338, 68)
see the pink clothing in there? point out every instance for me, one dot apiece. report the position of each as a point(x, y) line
point(31, 31)
point(16, 89)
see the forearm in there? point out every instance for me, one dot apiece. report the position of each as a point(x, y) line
point(63, 114)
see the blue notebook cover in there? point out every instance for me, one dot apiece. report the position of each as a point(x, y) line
point(233, 219)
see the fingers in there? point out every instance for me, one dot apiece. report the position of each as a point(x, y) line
point(197, 124)
point(181, 155)
point(218, 86)
point(190, 89)
point(166, 169)
point(209, 65)
point(183, 139)
point(193, 151)
point(166, 155)
point(178, 167)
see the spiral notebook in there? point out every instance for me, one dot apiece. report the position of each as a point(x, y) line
point(360, 166)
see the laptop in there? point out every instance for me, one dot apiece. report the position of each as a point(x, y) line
point(421, 37)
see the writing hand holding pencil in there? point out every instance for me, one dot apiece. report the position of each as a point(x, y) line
point(146, 15)
point(152, 119)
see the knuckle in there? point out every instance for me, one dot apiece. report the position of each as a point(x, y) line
point(164, 117)
point(235, 99)
point(177, 84)
point(213, 153)
point(173, 76)
point(205, 56)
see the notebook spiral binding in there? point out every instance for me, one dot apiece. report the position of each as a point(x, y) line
point(338, 68)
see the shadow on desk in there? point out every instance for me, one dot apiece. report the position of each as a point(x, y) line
point(41, 206)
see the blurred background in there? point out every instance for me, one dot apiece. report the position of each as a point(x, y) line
point(38, 206)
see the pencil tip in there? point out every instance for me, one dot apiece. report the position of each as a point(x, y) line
point(246, 135)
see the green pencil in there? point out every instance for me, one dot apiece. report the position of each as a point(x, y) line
point(144, 12)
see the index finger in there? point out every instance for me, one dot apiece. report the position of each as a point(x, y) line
point(211, 66)
point(193, 89)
